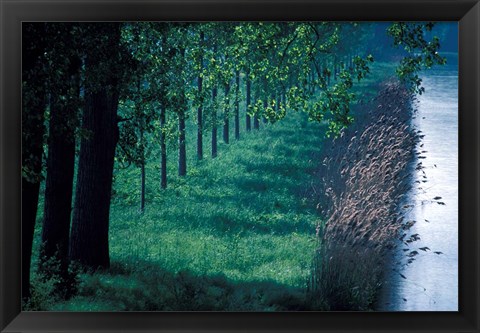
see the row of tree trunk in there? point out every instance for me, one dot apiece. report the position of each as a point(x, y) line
point(86, 240)
point(81, 235)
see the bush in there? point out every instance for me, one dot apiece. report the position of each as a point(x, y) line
point(51, 283)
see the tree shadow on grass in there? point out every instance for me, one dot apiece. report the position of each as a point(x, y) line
point(144, 286)
point(267, 203)
point(263, 223)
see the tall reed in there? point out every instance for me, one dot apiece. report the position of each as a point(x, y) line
point(364, 174)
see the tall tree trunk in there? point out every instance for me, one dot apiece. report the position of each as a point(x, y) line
point(30, 192)
point(314, 85)
point(237, 105)
point(163, 144)
point(163, 149)
point(265, 105)
point(248, 102)
point(142, 174)
point(58, 188)
point(325, 71)
point(200, 123)
point(226, 115)
point(60, 167)
point(265, 100)
point(200, 107)
point(277, 102)
point(182, 152)
point(256, 122)
point(310, 83)
point(142, 197)
point(33, 110)
point(214, 122)
point(89, 234)
point(314, 78)
point(335, 68)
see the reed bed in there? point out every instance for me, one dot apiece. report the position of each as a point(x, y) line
point(364, 174)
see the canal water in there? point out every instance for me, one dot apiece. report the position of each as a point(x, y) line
point(424, 275)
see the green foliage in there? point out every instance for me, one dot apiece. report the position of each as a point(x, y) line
point(42, 294)
point(237, 233)
point(421, 53)
point(34, 75)
point(49, 284)
point(297, 59)
point(278, 57)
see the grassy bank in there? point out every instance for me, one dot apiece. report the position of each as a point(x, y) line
point(237, 233)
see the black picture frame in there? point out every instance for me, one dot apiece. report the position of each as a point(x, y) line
point(13, 12)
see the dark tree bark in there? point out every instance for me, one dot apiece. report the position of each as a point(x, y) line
point(200, 107)
point(58, 187)
point(325, 71)
point(142, 174)
point(30, 192)
point(226, 115)
point(265, 100)
point(256, 121)
point(237, 105)
point(60, 167)
point(214, 122)
point(89, 234)
point(163, 149)
point(200, 123)
point(163, 144)
point(33, 109)
point(248, 102)
point(335, 68)
point(312, 79)
point(182, 152)
point(142, 199)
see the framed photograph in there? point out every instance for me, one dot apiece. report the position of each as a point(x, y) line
point(239, 166)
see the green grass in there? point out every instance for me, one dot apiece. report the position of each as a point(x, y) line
point(240, 225)
point(237, 233)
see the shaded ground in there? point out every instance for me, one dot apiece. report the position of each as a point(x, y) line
point(238, 233)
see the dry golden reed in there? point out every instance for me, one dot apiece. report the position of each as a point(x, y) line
point(364, 174)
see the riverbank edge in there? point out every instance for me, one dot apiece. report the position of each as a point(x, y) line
point(363, 175)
